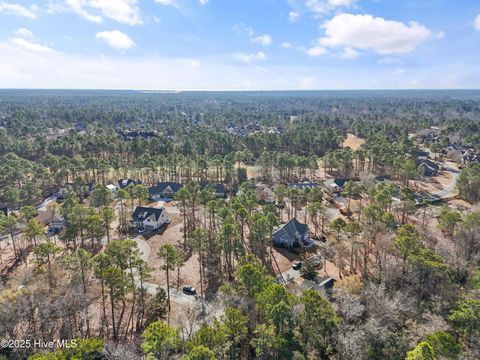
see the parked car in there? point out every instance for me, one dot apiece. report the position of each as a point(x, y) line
point(297, 265)
point(189, 290)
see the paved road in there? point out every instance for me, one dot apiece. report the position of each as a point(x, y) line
point(446, 193)
point(450, 189)
point(44, 205)
point(175, 295)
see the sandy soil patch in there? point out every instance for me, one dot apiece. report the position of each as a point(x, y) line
point(434, 183)
point(173, 235)
point(353, 142)
point(461, 204)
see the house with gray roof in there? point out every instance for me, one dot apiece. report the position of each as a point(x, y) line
point(148, 219)
point(164, 191)
point(334, 187)
point(123, 183)
point(292, 235)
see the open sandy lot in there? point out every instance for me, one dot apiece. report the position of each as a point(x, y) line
point(353, 142)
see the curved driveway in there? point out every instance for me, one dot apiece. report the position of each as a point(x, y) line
point(175, 295)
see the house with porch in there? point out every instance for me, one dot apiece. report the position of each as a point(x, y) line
point(164, 191)
point(148, 219)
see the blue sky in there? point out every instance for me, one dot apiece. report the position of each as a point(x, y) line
point(240, 44)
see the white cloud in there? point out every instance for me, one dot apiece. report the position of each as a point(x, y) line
point(203, 2)
point(243, 28)
point(17, 9)
point(24, 33)
point(374, 33)
point(388, 60)
point(31, 46)
point(477, 23)
point(349, 53)
point(116, 39)
point(321, 7)
point(122, 11)
point(286, 45)
point(192, 63)
point(247, 58)
point(316, 51)
point(263, 40)
point(167, 2)
point(77, 6)
point(293, 16)
point(342, 2)
point(27, 69)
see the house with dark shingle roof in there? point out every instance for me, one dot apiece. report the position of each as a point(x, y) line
point(147, 219)
point(123, 183)
point(164, 191)
point(334, 187)
point(292, 235)
point(429, 168)
point(219, 189)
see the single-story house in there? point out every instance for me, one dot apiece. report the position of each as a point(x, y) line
point(303, 185)
point(147, 219)
point(292, 235)
point(429, 168)
point(334, 187)
point(219, 189)
point(123, 183)
point(164, 191)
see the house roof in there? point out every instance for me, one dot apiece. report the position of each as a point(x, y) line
point(429, 165)
point(123, 183)
point(162, 186)
point(421, 153)
point(303, 185)
point(217, 187)
point(142, 212)
point(336, 182)
point(263, 192)
point(290, 230)
point(44, 217)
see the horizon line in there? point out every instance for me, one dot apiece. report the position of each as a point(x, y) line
point(171, 91)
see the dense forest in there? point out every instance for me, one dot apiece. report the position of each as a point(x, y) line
point(404, 253)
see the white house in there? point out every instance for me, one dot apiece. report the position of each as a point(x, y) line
point(147, 219)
